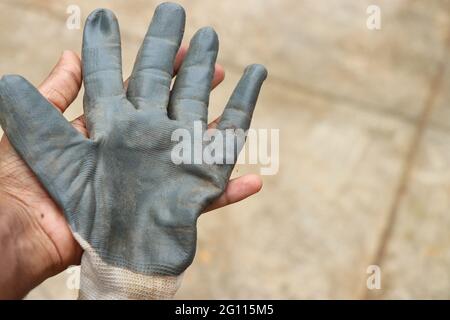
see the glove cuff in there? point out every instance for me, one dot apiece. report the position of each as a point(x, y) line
point(102, 281)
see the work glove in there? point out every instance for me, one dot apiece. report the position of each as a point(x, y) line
point(130, 202)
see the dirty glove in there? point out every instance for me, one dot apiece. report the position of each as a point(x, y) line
point(131, 205)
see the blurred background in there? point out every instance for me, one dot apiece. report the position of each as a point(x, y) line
point(364, 119)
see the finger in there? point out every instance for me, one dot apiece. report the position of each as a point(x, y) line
point(190, 94)
point(176, 65)
point(213, 124)
point(219, 72)
point(181, 54)
point(239, 109)
point(237, 189)
point(101, 56)
point(38, 132)
point(62, 85)
point(80, 124)
point(219, 75)
point(149, 85)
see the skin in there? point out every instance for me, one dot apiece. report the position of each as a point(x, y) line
point(35, 239)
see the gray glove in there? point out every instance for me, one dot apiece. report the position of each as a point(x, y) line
point(132, 209)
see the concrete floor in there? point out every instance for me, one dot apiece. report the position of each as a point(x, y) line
point(364, 119)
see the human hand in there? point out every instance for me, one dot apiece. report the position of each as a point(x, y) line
point(37, 242)
point(49, 244)
point(85, 149)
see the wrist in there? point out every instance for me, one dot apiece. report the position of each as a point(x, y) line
point(28, 256)
point(107, 282)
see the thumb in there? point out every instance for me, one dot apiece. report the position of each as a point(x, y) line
point(62, 85)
